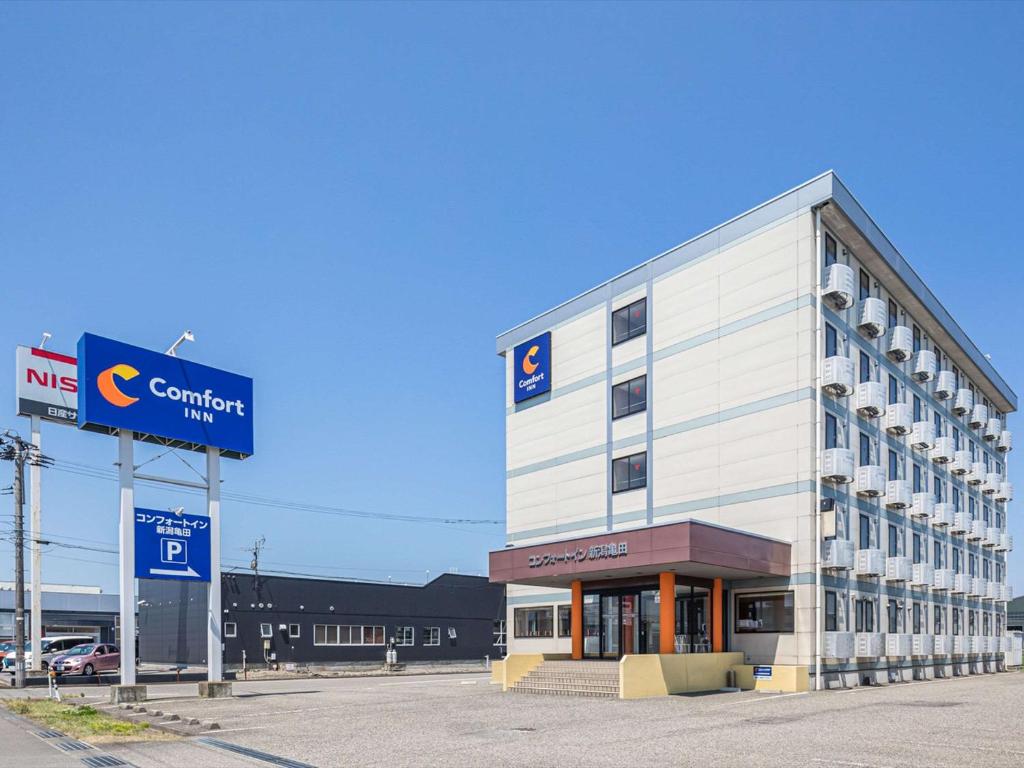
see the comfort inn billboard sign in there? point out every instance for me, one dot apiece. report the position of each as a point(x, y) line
point(162, 399)
point(531, 368)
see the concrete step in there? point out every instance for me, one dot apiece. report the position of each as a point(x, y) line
point(568, 692)
point(569, 679)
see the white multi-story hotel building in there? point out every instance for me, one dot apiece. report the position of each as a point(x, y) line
point(773, 437)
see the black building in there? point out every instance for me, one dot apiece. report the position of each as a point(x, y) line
point(322, 621)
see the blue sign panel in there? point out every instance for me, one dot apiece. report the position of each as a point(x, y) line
point(531, 368)
point(171, 546)
point(162, 398)
point(762, 673)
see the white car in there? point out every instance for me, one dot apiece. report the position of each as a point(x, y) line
point(52, 646)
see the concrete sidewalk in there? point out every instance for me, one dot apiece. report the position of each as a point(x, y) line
point(20, 747)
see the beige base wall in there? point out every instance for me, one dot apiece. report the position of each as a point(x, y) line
point(784, 679)
point(647, 675)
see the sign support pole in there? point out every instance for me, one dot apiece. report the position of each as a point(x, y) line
point(35, 473)
point(214, 655)
point(126, 481)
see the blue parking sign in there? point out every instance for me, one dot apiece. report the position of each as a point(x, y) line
point(171, 546)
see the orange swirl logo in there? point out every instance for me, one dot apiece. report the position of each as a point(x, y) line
point(529, 365)
point(108, 388)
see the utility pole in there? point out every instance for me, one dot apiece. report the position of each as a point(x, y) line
point(16, 450)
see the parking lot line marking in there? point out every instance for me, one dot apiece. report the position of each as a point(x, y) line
point(848, 762)
point(232, 730)
point(969, 747)
point(770, 697)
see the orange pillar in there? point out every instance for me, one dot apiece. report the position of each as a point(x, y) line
point(577, 619)
point(667, 612)
point(717, 613)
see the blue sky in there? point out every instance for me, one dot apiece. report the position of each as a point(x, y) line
point(348, 202)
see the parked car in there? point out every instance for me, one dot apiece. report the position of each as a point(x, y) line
point(88, 659)
point(52, 646)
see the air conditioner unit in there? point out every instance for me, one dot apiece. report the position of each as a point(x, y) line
point(961, 463)
point(837, 554)
point(922, 435)
point(870, 480)
point(994, 590)
point(977, 474)
point(897, 569)
point(1007, 595)
point(922, 574)
point(961, 584)
point(942, 514)
point(961, 522)
point(901, 343)
point(978, 644)
point(839, 645)
point(872, 317)
point(840, 286)
point(991, 536)
point(964, 402)
point(1005, 441)
point(979, 416)
point(870, 399)
point(898, 494)
point(945, 385)
point(961, 645)
point(923, 506)
point(898, 419)
point(1005, 542)
point(943, 580)
point(978, 587)
point(870, 562)
point(837, 466)
point(942, 453)
point(869, 644)
point(837, 376)
point(994, 430)
point(897, 644)
point(922, 645)
point(925, 365)
point(991, 482)
point(1005, 492)
point(942, 645)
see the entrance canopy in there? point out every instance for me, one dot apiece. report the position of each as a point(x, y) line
point(689, 548)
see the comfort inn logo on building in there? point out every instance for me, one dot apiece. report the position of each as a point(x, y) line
point(532, 368)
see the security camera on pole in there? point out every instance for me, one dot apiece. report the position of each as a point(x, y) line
point(154, 397)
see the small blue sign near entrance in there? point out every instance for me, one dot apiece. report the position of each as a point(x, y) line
point(161, 398)
point(762, 673)
point(171, 546)
point(531, 368)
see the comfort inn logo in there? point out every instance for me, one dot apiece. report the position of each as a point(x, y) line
point(532, 368)
point(107, 385)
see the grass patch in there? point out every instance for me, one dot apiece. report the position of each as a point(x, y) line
point(83, 722)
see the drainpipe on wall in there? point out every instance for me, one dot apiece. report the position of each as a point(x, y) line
point(817, 451)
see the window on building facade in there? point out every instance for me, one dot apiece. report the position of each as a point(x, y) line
point(917, 409)
point(865, 449)
point(565, 621)
point(764, 613)
point(534, 622)
point(917, 339)
point(831, 341)
point(831, 617)
point(893, 314)
point(864, 368)
point(938, 559)
point(892, 614)
point(917, 548)
point(956, 621)
point(266, 631)
point(894, 541)
point(230, 629)
point(865, 285)
point(629, 472)
point(865, 532)
point(830, 250)
point(629, 397)
point(865, 615)
point(405, 636)
point(894, 390)
point(831, 431)
point(917, 478)
point(916, 618)
point(294, 631)
point(629, 322)
point(347, 634)
point(894, 465)
point(431, 635)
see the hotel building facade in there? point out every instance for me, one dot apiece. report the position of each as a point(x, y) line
point(772, 439)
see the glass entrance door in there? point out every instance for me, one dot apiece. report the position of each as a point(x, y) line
point(620, 623)
point(610, 626)
point(692, 621)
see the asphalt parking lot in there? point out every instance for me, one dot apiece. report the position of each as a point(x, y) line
point(462, 720)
